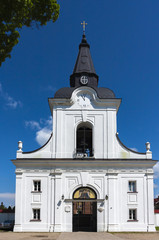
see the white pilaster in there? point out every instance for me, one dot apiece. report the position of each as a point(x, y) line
point(18, 203)
point(111, 130)
point(59, 131)
point(112, 202)
point(52, 203)
point(106, 210)
point(150, 203)
point(58, 202)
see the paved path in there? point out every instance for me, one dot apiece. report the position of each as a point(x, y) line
point(87, 236)
point(79, 236)
point(28, 236)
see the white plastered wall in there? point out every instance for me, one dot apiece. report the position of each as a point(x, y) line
point(112, 213)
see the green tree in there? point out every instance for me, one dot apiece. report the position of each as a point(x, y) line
point(2, 207)
point(14, 14)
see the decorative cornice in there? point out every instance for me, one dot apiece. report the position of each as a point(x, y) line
point(88, 164)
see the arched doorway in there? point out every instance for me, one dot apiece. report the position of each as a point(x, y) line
point(84, 210)
point(84, 139)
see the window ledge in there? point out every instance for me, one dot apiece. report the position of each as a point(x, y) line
point(35, 220)
point(132, 220)
point(36, 191)
point(132, 192)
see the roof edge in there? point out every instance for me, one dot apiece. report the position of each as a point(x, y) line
point(38, 148)
point(90, 159)
point(127, 147)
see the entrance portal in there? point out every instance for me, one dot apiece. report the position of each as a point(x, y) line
point(84, 210)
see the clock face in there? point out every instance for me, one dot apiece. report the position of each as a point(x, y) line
point(84, 80)
point(84, 100)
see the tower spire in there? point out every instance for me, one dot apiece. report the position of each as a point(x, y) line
point(84, 72)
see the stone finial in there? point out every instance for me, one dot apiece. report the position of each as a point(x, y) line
point(147, 146)
point(20, 146)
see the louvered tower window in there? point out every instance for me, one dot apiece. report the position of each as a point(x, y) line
point(84, 140)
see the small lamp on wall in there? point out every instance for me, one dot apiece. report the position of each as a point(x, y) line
point(106, 197)
point(62, 197)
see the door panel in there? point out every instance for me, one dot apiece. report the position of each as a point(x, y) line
point(85, 216)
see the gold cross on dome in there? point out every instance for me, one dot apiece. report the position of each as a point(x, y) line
point(84, 26)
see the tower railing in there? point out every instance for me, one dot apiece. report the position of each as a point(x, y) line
point(83, 153)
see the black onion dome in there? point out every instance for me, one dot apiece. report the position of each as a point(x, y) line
point(65, 92)
point(102, 93)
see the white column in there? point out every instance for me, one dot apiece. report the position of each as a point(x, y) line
point(106, 204)
point(150, 203)
point(18, 203)
point(145, 200)
point(59, 131)
point(52, 203)
point(58, 202)
point(111, 130)
point(112, 202)
point(54, 142)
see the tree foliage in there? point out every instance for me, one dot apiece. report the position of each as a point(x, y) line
point(14, 14)
point(2, 207)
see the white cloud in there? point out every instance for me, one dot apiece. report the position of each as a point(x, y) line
point(8, 199)
point(9, 101)
point(7, 195)
point(134, 149)
point(156, 170)
point(32, 124)
point(43, 135)
point(155, 185)
point(43, 129)
point(46, 122)
point(157, 194)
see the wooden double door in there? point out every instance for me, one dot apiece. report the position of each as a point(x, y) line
point(85, 216)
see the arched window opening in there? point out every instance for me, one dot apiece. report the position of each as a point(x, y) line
point(84, 193)
point(84, 141)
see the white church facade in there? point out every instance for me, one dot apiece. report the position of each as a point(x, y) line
point(84, 178)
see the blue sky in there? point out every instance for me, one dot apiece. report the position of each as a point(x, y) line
point(124, 39)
